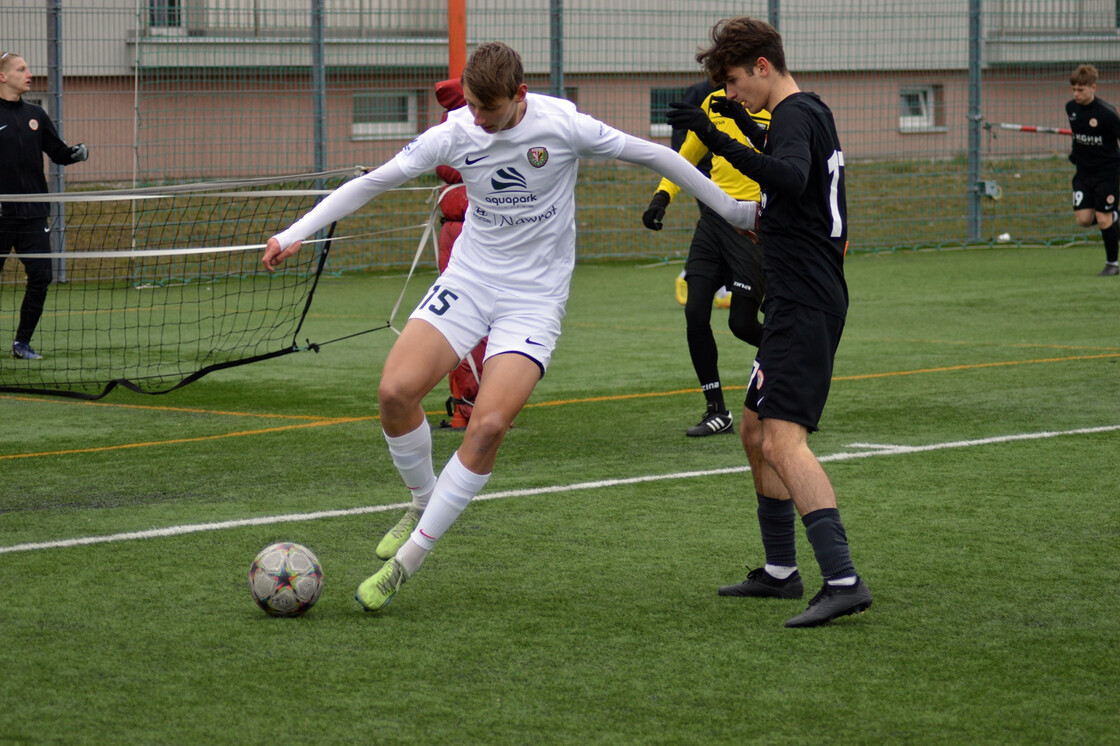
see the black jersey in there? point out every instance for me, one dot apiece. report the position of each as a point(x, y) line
point(804, 219)
point(26, 132)
point(1096, 129)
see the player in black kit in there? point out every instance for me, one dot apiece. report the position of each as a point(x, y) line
point(803, 226)
point(1096, 130)
point(26, 132)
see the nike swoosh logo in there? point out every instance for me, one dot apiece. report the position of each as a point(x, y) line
point(529, 341)
point(469, 162)
point(4, 127)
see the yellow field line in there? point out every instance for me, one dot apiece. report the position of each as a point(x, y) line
point(99, 449)
point(326, 421)
point(158, 408)
point(975, 366)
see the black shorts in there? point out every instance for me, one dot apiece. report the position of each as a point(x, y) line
point(793, 370)
point(720, 253)
point(1095, 192)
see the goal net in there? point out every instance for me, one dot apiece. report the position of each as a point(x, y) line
point(156, 287)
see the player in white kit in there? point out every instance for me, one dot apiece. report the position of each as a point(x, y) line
point(508, 279)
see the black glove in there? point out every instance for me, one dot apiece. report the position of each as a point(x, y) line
point(79, 152)
point(736, 112)
point(655, 213)
point(685, 116)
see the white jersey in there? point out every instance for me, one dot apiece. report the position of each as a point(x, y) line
point(519, 235)
point(520, 230)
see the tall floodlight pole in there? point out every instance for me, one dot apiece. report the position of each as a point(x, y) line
point(556, 47)
point(975, 118)
point(319, 84)
point(54, 86)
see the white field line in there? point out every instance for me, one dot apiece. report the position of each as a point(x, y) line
point(887, 450)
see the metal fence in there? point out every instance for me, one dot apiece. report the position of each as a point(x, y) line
point(169, 91)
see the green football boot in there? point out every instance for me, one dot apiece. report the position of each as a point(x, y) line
point(392, 541)
point(378, 589)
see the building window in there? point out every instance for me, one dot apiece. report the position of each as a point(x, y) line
point(659, 100)
point(384, 116)
point(920, 109)
point(165, 13)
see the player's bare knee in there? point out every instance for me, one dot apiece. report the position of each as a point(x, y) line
point(751, 438)
point(775, 453)
point(486, 430)
point(394, 398)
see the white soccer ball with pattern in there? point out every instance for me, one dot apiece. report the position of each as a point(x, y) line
point(286, 579)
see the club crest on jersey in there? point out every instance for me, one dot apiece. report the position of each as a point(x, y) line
point(537, 157)
point(33, 124)
point(1093, 122)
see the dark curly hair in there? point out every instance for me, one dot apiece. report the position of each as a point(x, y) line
point(739, 42)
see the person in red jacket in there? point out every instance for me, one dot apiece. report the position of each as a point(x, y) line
point(463, 380)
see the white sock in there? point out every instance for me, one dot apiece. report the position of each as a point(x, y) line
point(412, 455)
point(781, 572)
point(850, 580)
point(411, 556)
point(454, 490)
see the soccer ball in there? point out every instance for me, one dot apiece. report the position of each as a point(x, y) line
point(286, 579)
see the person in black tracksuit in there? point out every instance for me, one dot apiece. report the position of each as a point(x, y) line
point(26, 132)
point(1096, 130)
point(803, 227)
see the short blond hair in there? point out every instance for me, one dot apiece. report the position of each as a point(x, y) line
point(493, 72)
point(6, 59)
point(1084, 75)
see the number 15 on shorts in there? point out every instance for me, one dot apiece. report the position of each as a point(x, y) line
point(438, 301)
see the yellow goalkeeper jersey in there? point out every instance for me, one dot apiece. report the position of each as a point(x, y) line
point(727, 177)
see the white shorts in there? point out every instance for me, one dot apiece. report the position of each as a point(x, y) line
point(464, 311)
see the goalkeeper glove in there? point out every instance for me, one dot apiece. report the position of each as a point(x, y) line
point(79, 152)
point(685, 116)
point(655, 213)
point(736, 112)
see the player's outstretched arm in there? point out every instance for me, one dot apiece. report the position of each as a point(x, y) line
point(675, 168)
point(786, 170)
point(274, 256)
point(338, 204)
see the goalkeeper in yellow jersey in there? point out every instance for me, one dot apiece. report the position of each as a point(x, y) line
point(718, 256)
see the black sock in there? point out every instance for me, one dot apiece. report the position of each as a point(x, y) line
point(776, 521)
point(702, 347)
point(1111, 237)
point(714, 397)
point(830, 543)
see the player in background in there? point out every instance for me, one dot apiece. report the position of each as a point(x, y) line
point(694, 94)
point(803, 227)
point(718, 256)
point(26, 133)
point(1096, 130)
point(508, 276)
point(464, 380)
